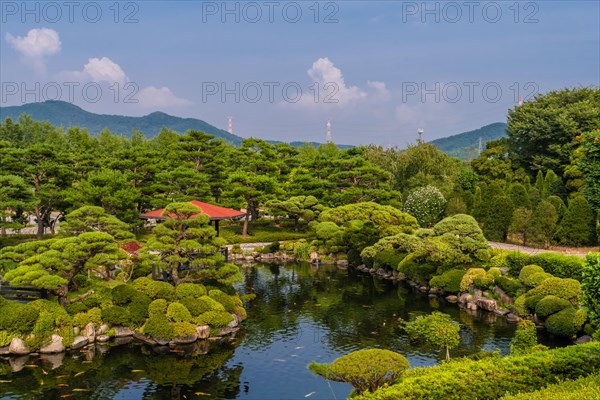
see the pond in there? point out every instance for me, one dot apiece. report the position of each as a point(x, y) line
point(301, 313)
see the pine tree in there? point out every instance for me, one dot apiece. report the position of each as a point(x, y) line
point(543, 224)
point(519, 224)
point(578, 227)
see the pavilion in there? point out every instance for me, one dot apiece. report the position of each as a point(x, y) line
point(215, 213)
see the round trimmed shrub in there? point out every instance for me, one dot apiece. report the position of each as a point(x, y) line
point(182, 329)
point(532, 301)
point(177, 312)
point(158, 306)
point(471, 276)
point(550, 305)
point(364, 369)
point(16, 317)
point(449, 280)
point(192, 290)
point(217, 319)
point(116, 315)
point(194, 306)
point(426, 204)
point(568, 289)
point(138, 310)
point(534, 280)
point(562, 323)
point(158, 326)
point(93, 315)
point(529, 270)
point(519, 306)
point(123, 294)
point(229, 302)
point(510, 285)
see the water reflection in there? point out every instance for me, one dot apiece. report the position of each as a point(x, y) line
point(302, 313)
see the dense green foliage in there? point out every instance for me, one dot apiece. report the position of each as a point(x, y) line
point(495, 377)
point(525, 338)
point(437, 329)
point(587, 387)
point(364, 369)
point(591, 286)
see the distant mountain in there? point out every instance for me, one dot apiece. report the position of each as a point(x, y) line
point(66, 114)
point(466, 145)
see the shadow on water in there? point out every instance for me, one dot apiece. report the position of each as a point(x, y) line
point(301, 313)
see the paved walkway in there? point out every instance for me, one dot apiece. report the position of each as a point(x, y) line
point(574, 251)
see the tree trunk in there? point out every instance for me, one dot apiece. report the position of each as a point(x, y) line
point(81, 297)
point(61, 293)
point(40, 228)
point(296, 224)
point(447, 353)
point(245, 229)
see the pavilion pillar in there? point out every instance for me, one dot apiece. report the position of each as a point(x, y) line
point(217, 226)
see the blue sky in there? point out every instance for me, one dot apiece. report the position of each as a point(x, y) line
point(380, 70)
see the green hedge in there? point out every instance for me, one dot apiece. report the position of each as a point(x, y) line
point(492, 378)
point(550, 305)
point(583, 388)
point(449, 280)
point(560, 265)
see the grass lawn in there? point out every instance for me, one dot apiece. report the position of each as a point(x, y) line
point(263, 230)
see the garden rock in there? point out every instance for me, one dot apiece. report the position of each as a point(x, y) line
point(17, 346)
point(89, 332)
point(79, 342)
point(56, 346)
point(122, 331)
point(203, 331)
point(487, 304)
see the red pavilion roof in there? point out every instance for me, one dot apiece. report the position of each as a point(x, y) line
point(215, 213)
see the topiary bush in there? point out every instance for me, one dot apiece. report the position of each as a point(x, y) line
point(525, 338)
point(116, 315)
point(365, 370)
point(190, 290)
point(123, 294)
point(158, 306)
point(182, 329)
point(216, 319)
point(470, 276)
point(493, 378)
point(519, 306)
point(17, 317)
point(568, 289)
point(562, 323)
point(76, 308)
point(515, 261)
point(177, 312)
point(550, 305)
point(560, 265)
point(158, 326)
point(155, 289)
point(229, 302)
point(529, 270)
point(449, 281)
point(531, 302)
point(138, 309)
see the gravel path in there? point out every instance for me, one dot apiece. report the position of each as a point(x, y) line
point(574, 251)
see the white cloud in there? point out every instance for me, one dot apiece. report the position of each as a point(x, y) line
point(325, 73)
point(36, 46)
point(380, 89)
point(152, 97)
point(104, 69)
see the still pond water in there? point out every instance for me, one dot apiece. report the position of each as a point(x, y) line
point(301, 313)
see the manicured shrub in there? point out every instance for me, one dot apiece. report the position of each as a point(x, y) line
point(519, 306)
point(192, 290)
point(177, 312)
point(426, 204)
point(550, 305)
point(531, 302)
point(158, 326)
point(493, 378)
point(418, 272)
point(562, 323)
point(515, 261)
point(534, 280)
point(560, 265)
point(529, 270)
point(510, 285)
point(578, 227)
point(116, 315)
point(42, 331)
point(16, 317)
point(138, 310)
point(182, 329)
point(158, 306)
point(155, 289)
point(449, 281)
point(364, 369)
point(525, 338)
point(471, 276)
point(578, 389)
point(568, 289)
point(60, 315)
point(216, 319)
point(93, 315)
point(229, 302)
point(94, 300)
point(123, 294)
